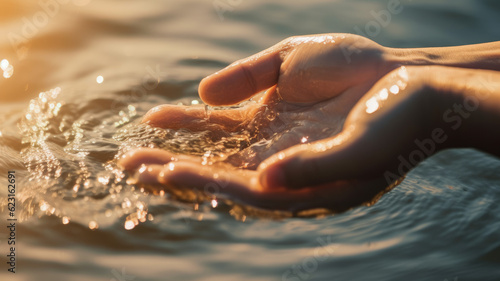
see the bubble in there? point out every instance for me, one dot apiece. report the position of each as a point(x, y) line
point(271, 116)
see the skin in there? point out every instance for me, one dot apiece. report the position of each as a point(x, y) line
point(391, 99)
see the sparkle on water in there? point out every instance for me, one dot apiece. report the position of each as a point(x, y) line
point(80, 172)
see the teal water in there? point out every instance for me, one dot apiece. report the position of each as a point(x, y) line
point(81, 220)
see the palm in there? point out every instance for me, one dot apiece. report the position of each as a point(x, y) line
point(315, 90)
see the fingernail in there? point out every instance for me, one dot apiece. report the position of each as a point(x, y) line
point(273, 178)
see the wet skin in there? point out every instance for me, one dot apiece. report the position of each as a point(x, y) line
point(388, 97)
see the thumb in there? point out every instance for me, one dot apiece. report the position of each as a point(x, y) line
point(343, 157)
point(242, 79)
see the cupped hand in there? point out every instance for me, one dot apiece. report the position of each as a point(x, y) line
point(312, 80)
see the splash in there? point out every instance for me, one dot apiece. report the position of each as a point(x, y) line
point(70, 153)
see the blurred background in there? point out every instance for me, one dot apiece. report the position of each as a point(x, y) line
point(101, 64)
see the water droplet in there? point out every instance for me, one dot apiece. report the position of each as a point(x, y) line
point(208, 112)
point(129, 225)
point(171, 166)
point(271, 116)
point(103, 180)
point(142, 215)
point(4, 64)
point(140, 205)
point(384, 94)
point(403, 73)
point(372, 105)
point(108, 213)
point(93, 225)
point(44, 206)
point(7, 73)
point(214, 203)
point(126, 203)
point(142, 169)
point(65, 220)
point(394, 89)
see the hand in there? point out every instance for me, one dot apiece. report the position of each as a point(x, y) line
point(291, 65)
point(313, 83)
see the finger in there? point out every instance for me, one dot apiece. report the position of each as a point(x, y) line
point(197, 118)
point(330, 160)
point(134, 159)
point(242, 79)
point(242, 187)
point(212, 181)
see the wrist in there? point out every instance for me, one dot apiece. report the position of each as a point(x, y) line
point(396, 57)
point(467, 104)
point(481, 56)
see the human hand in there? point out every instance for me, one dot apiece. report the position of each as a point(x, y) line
point(313, 83)
point(314, 80)
point(336, 173)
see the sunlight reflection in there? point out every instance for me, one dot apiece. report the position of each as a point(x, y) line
point(214, 203)
point(384, 94)
point(99, 79)
point(394, 89)
point(129, 225)
point(93, 225)
point(4, 64)
point(65, 220)
point(7, 68)
point(372, 105)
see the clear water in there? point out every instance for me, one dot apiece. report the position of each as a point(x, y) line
point(100, 65)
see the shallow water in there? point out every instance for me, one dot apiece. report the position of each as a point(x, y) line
point(81, 220)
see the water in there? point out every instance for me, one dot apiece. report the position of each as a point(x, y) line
point(100, 65)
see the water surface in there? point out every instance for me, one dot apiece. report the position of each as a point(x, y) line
point(100, 65)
